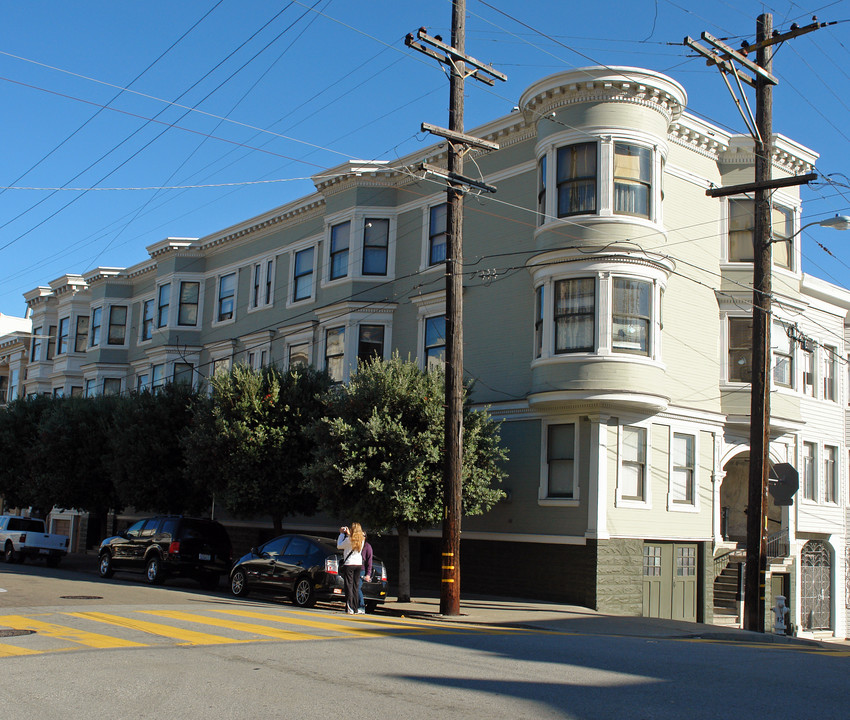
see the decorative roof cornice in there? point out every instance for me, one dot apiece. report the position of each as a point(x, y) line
point(605, 84)
point(103, 273)
point(347, 307)
point(38, 295)
point(698, 136)
point(788, 156)
point(169, 245)
point(68, 283)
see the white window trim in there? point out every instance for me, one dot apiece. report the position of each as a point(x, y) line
point(351, 316)
point(543, 498)
point(90, 345)
point(224, 272)
point(425, 255)
point(817, 459)
point(678, 506)
point(784, 201)
point(427, 306)
point(837, 475)
point(292, 251)
point(201, 284)
point(142, 301)
point(104, 331)
point(356, 245)
point(300, 335)
point(620, 501)
point(265, 272)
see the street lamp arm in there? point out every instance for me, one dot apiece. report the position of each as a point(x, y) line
point(839, 222)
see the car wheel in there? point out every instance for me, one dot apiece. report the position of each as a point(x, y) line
point(302, 593)
point(105, 567)
point(209, 581)
point(9, 554)
point(371, 606)
point(239, 583)
point(153, 571)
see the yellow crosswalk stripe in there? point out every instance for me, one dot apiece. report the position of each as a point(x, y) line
point(264, 630)
point(189, 637)
point(15, 651)
point(62, 632)
point(379, 629)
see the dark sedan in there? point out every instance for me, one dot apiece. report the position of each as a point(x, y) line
point(306, 568)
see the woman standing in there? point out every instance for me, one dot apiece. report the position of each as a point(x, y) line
point(351, 541)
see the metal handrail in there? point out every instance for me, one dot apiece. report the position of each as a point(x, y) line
point(721, 561)
point(778, 544)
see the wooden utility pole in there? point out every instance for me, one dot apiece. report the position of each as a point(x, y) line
point(727, 61)
point(456, 60)
point(756, 568)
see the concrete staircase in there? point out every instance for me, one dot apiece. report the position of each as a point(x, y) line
point(726, 595)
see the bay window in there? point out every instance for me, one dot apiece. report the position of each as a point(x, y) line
point(437, 233)
point(575, 315)
point(226, 296)
point(783, 356)
point(187, 311)
point(576, 180)
point(335, 353)
point(340, 241)
point(630, 318)
point(117, 330)
point(302, 281)
point(376, 239)
point(62, 340)
point(741, 221)
point(370, 343)
point(435, 341)
point(740, 350)
point(632, 180)
point(82, 334)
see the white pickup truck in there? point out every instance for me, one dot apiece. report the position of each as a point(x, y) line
point(23, 537)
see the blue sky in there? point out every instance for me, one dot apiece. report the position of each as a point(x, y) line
point(235, 104)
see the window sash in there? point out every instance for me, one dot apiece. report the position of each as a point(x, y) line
point(560, 460)
point(830, 477)
point(376, 240)
point(303, 277)
point(631, 321)
point(35, 350)
point(164, 301)
point(51, 342)
point(340, 242)
point(632, 180)
point(370, 343)
point(335, 353)
point(437, 233)
point(299, 355)
point(683, 470)
point(575, 315)
point(633, 464)
point(783, 356)
point(435, 341)
point(577, 174)
point(187, 311)
point(255, 296)
point(62, 336)
point(541, 191)
point(810, 485)
point(112, 386)
point(269, 281)
point(740, 350)
point(226, 296)
point(117, 331)
point(94, 336)
point(183, 373)
point(829, 355)
point(81, 338)
point(538, 321)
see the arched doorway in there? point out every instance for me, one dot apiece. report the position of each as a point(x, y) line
point(816, 585)
point(734, 496)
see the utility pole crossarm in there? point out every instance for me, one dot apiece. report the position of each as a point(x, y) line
point(455, 55)
point(714, 59)
point(732, 54)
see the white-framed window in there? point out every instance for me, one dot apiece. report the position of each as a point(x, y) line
point(163, 304)
point(222, 365)
point(189, 301)
point(183, 373)
point(831, 490)
point(683, 470)
point(437, 233)
point(63, 334)
point(262, 284)
point(577, 179)
point(632, 472)
point(782, 348)
point(560, 481)
point(51, 342)
point(340, 244)
point(226, 304)
point(741, 221)
point(539, 314)
point(35, 347)
point(435, 341)
point(302, 275)
point(575, 315)
point(117, 328)
point(829, 358)
point(809, 481)
point(541, 189)
point(631, 316)
point(14, 375)
point(376, 244)
point(143, 381)
point(740, 350)
point(808, 363)
point(91, 387)
point(81, 337)
point(370, 342)
point(147, 320)
point(299, 355)
point(157, 376)
point(632, 180)
point(112, 386)
point(335, 353)
point(96, 322)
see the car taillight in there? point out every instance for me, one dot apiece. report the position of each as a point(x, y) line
point(174, 548)
point(332, 565)
point(383, 574)
point(23, 537)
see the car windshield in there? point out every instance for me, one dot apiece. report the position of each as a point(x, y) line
point(23, 524)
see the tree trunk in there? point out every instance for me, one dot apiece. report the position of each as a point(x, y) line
point(403, 563)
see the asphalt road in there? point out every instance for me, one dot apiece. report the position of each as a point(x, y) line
point(133, 651)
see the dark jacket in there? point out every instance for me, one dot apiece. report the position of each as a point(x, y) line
point(366, 553)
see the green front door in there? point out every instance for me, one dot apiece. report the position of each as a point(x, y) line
point(670, 581)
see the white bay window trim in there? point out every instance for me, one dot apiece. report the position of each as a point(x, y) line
point(559, 463)
point(357, 220)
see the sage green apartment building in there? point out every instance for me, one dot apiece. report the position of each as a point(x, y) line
point(607, 322)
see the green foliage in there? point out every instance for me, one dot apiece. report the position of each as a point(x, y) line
point(378, 455)
point(146, 456)
point(19, 435)
point(249, 439)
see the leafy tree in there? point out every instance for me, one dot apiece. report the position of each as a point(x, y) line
point(249, 439)
point(72, 455)
point(147, 455)
point(19, 422)
point(378, 455)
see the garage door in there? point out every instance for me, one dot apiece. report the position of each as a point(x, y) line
point(670, 581)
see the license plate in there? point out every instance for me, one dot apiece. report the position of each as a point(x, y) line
point(204, 556)
point(42, 551)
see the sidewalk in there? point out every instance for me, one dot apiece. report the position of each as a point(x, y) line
point(540, 615)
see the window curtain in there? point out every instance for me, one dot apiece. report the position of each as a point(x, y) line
point(575, 308)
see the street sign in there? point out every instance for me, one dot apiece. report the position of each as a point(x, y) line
point(784, 481)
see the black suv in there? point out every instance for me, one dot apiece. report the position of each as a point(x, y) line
point(169, 545)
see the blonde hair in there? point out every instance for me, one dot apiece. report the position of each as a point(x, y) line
point(358, 537)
